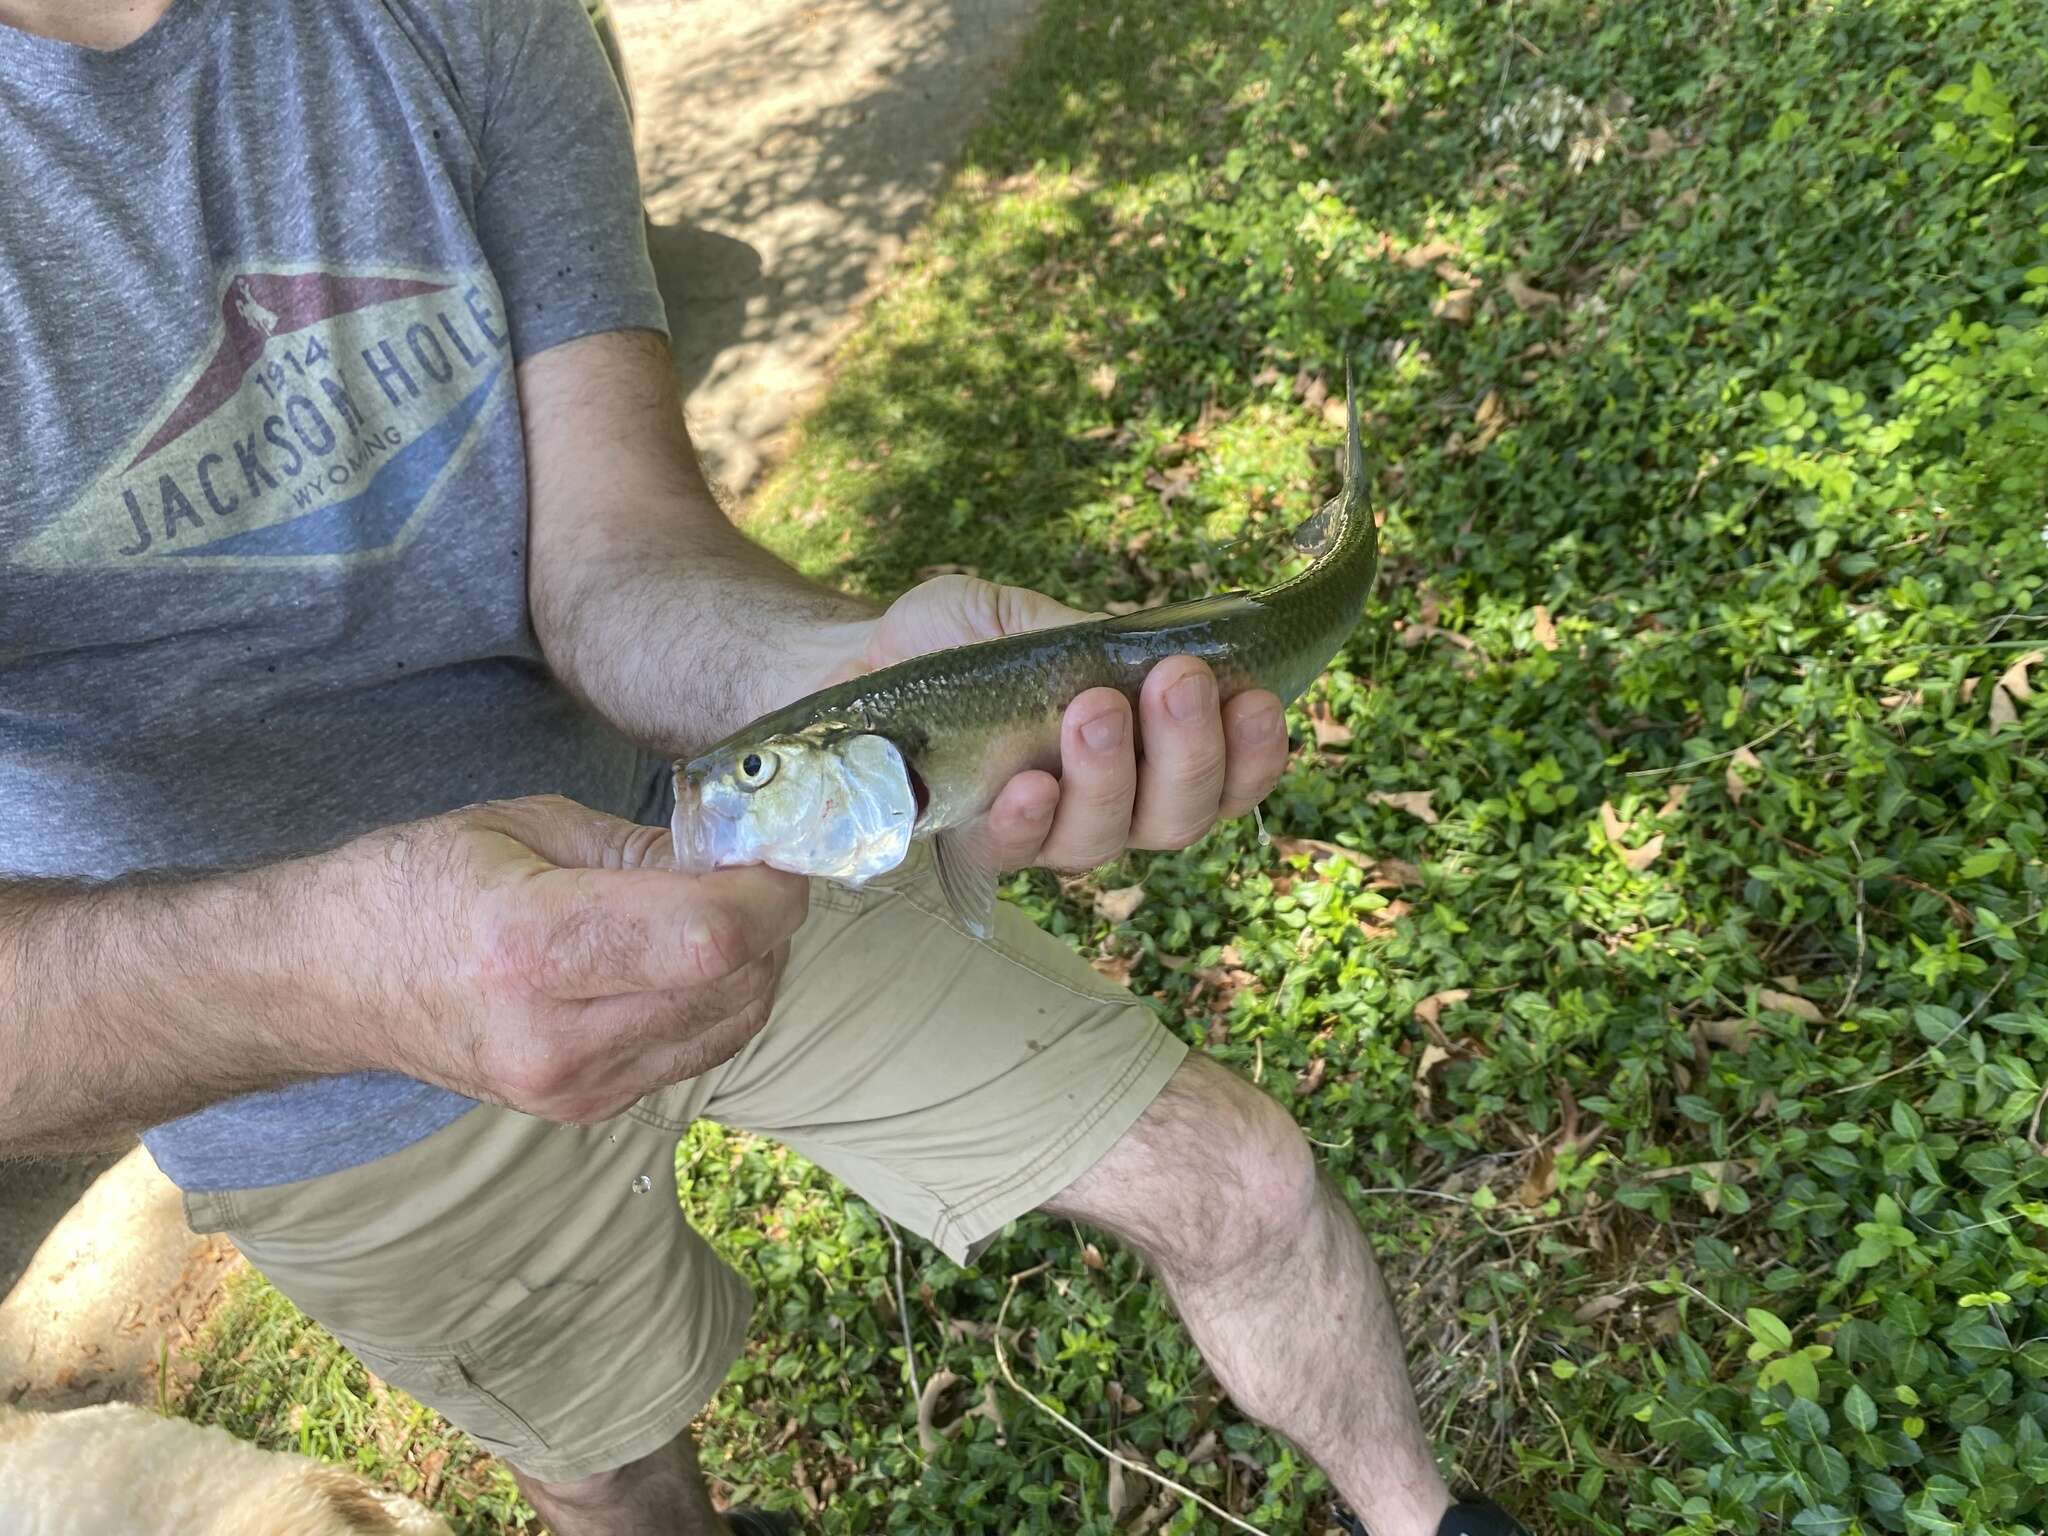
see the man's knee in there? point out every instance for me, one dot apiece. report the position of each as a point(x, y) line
point(1263, 1163)
point(1214, 1176)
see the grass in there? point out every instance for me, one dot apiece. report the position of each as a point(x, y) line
point(1700, 1018)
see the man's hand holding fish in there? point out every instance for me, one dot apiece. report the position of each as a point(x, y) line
point(1201, 762)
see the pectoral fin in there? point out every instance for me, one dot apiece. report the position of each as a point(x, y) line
point(969, 884)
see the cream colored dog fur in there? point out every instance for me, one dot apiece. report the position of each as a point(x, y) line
point(116, 1470)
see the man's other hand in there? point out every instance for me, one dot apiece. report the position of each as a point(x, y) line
point(542, 955)
point(1205, 759)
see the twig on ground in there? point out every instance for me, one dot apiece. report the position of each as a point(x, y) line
point(1961, 1024)
point(903, 1310)
point(1856, 976)
point(1095, 1445)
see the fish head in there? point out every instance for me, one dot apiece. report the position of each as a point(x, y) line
point(825, 801)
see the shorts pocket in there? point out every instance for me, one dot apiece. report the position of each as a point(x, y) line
point(451, 1382)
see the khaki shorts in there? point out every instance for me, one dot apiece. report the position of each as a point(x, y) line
point(505, 1271)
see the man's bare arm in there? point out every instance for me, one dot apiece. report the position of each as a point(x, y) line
point(648, 603)
point(533, 952)
point(125, 1005)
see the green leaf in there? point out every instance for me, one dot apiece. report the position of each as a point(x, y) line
point(1858, 1408)
point(1767, 1329)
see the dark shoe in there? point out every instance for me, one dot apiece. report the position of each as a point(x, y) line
point(761, 1522)
point(1478, 1518)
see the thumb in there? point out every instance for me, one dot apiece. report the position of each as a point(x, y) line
point(573, 836)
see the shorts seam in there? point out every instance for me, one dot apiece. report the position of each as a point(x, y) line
point(953, 1217)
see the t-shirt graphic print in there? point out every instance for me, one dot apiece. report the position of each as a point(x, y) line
point(329, 410)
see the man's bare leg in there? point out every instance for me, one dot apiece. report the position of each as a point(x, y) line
point(661, 1494)
point(1217, 1188)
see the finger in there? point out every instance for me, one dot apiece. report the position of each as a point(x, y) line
point(605, 933)
point(1180, 782)
point(574, 836)
point(1255, 729)
point(1098, 782)
point(1012, 835)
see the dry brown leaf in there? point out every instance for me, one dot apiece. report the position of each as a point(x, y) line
point(1675, 799)
point(1592, 1311)
point(1431, 1008)
point(2003, 711)
point(1116, 967)
point(1330, 731)
point(2014, 678)
point(929, 1434)
point(1121, 904)
point(1661, 144)
point(1416, 802)
point(1457, 306)
point(1970, 688)
point(1636, 859)
point(1380, 924)
point(1527, 295)
point(1540, 1182)
point(1789, 1002)
point(1103, 380)
point(1611, 822)
point(1544, 631)
point(1433, 1056)
point(1737, 786)
point(1428, 254)
point(1414, 634)
point(1401, 872)
point(1309, 1081)
point(1730, 1034)
point(1640, 859)
point(1092, 1257)
point(1174, 485)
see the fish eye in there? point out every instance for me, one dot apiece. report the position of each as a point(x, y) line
point(757, 768)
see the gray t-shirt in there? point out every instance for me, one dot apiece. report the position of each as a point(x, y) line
point(263, 278)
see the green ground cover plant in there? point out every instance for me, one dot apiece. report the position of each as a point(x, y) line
point(1652, 939)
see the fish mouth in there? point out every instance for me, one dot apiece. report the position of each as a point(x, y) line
point(694, 829)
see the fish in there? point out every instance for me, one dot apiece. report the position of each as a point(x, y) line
point(840, 783)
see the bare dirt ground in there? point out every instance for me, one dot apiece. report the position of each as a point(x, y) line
point(786, 150)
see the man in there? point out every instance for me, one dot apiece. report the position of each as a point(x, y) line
point(346, 521)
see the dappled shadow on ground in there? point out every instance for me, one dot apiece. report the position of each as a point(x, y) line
point(850, 112)
point(706, 280)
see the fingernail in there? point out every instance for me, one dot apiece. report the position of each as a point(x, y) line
point(1105, 731)
point(1255, 727)
point(1191, 697)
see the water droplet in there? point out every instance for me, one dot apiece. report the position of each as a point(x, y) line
point(642, 1183)
point(1265, 837)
